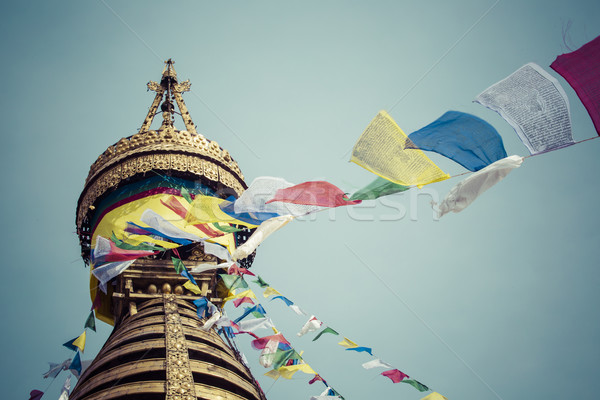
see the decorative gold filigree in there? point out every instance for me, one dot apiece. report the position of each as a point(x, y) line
point(155, 87)
point(182, 86)
point(180, 381)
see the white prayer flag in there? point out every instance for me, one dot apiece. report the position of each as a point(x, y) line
point(250, 325)
point(156, 221)
point(376, 363)
point(310, 326)
point(261, 233)
point(106, 272)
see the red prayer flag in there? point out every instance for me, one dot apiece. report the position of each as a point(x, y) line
point(35, 395)
point(581, 68)
point(243, 300)
point(97, 301)
point(235, 270)
point(316, 193)
point(395, 375)
point(259, 344)
point(316, 378)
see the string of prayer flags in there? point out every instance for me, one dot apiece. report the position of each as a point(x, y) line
point(310, 326)
point(261, 190)
point(434, 396)
point(347, 343)
point(416, 384)
point(260, 234)
point(75, 365)
point(466, 191)
point(382, 150)
point(64, 392)
point(35, 394)
point(378, 188)
point(77, 343)
point(315, 193)
point(395, 375)
point(535, 105)
point(55, 369)
point(260, 282)
point(269, 291)
point(361, 349)
point(326, 330)
point(90, 322)
point(376, 363)
point(581, 68)
point(462, 137)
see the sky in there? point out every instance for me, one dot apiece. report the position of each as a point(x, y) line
point(496, 302)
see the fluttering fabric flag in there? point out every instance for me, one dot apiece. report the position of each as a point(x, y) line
point(287, 301)
point(315, 193)
point(261, 190)
point(382, 150)
point(75, 365)
point(238, 302)
point(178, 265)
point(206, 209)
point(260, 343)
point(282, 357)
point(310, 326)
point(233, 282)
point(254, 324)
point(201, 306)
point(90, 322)
point(217, 250)
point(395, 375)
point(269, 291)
point(297, 309)
point(260, 282)
point(360, 349)
point(35, 394)
point(215, 315)
point(434, 396)
point(376, 363)
point(466, 191)
point(260, 234)
point(192, 287)
point(55, 369)
point(288, 371)
point(160, 224)
point(240, 295)
point(186, 274)
point(326, 330)
point(64, 392)
point(378, 188)
point(535, 105)
point(581, 68)
point(256, 309)
point(106, 272)
point(416, 384)
point(235, 270)
point(267, 356)
point(77, 343)
point(316, 378)
point(347, 343)
point(462, 137)
point(106, 251)
point(207, 267)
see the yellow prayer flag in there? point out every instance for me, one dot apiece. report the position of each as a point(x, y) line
point(206, 210)
point(241, 295)
point(80, 342)
point(269, 291)
point(192, 288)
point(385, 150)
point(289, 370)
point(273, 374)
point(347, 343)
point(434, 396)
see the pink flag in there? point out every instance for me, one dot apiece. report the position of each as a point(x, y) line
point(317, 193)
point(259, 344)
point(316, 378)
point(35, 395)
point(395, 375)
point(243, 300)
point(581, 69)
point(235, 270)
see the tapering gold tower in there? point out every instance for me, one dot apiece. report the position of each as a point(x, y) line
point(157, 349)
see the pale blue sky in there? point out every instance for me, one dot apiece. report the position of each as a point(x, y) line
point(510, 285)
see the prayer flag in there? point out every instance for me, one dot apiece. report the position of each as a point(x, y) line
point(289, 370)
point(316, 378)
point(287, 301)
point(233, 282)
point(466, 191)
point(256, 309)
point(581, 68)
point(395, 375)
point(434, 396)
point(185, 194)
point(211, 321)
point(281, 357)
point(347, 343)
point(297, 309)
point(416, 384)
point(260, 234)
point(260, 343)
point(316, 193)
point(378, 188)
point(245, 293)
point(376, 363)
point(192, 288)
point(462, 137)
point(201, 306)
point(90, 322)
point(97, 302)
point(77, 343)
point(268, 353)
point(310, 326)
point(235, 270)
point(64, 393)
point(206, 209)
point(254, 324)
point(238, 302)
point(382, 150)
point(186, 274)
point(76, 364)
point(35, 395)
point(361, 349)
point(106, 272)
point(166, 228)
point(326, 330)
point(178, 264)
point(269, 291)
point(535, 105)
point(260, 282)
point(55, 369)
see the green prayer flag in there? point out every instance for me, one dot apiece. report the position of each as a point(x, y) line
point(226, 228)
point(233, 282)
point(178, 264)
point(326, 330)
point(258, 314)
point(142, 246)
point(379, 187)
point(416, 384)
point(260, 282)
point(281, 357)
point(186, 195)
point(91, 322)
